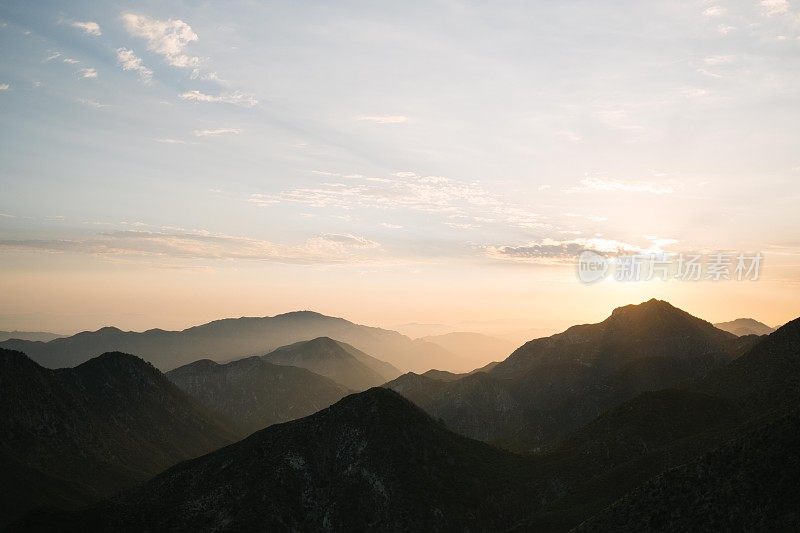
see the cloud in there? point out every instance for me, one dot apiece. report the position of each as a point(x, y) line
point(52, 56)
point(128, 60)
point(719, 60)
point(384, 119)
point(4, 87)
point(236, 98)
point(391, 226)
point(714, 11)
point(549, 250)
point(327, 248)
point(6, 215)
point(93, 103)
point(170, 141)
point(593, 184)
point(724, 29)
point(89, 28)
point(774, 7)
point(168, 38)
point(71, 61)
point(88, 73)
point(218, 131)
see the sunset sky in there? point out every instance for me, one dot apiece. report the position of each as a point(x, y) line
point(163, 164)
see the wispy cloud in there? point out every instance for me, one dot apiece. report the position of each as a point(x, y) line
point(88, 73)
point(128, 60)
point(327, 248)
point(169, 141)
point(236, 98)
point(714, 11)
point(6, 215)
point(52, 56)
point(88, 27)
point(217, 131)
point(774, 7)
point(4, 87)
point(600, 184)
point(168, 38)
point(71, 61)
point(384, 119)
point(549, 250)
point(93, 103)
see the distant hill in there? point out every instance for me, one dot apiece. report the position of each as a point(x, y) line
point(253, 393)
point(745, 326)
point(373, 461)
point(550, 386)
point(338, 361)
point(40, 336)
point(234, 338)
point(69, 437)
point(479, 349)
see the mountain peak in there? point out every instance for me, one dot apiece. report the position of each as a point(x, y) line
point(650, 305)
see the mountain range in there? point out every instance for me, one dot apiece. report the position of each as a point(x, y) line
point(235, 338)
point(253, 393)
point(552, 385)
point(336, 360)
point(745, 326)
point(71, 436)
point(36, 336)
point(675, 425)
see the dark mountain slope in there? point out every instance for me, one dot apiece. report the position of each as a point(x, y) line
point(766, 376)
point(551, 386)
point(745, 326)
point(74, 435)
point(373, 461)
point(749, 484)
point(338, 361)
point(253, 393)
point(234, 338)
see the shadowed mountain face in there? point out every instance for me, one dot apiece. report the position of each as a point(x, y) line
point(373, 461)
point(254, 394)
point(338, 361)
point(551, 386)
point(749, 484)
point(234, 338)
point(71, 436)
point(745, 326)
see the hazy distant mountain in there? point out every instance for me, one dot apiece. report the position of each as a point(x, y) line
point(416, 330)
point(552, 385)
point(253, 393)
point(234, 338)
point(71, 436)
point(745, 326)
point(478, 348)
point(41, 336)
point(338, 361)
point(373, 462)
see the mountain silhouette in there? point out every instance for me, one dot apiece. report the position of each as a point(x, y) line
point(553, 385)
point(69, 437)
point(745, 326)
point(235, 338)
point(338, 361)
point(253, 393)
point(372, 461)
point(41, 336)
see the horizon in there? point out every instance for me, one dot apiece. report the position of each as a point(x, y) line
point(442, 329)
point(166, 164)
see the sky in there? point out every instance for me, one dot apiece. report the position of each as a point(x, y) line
point(163, 164)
